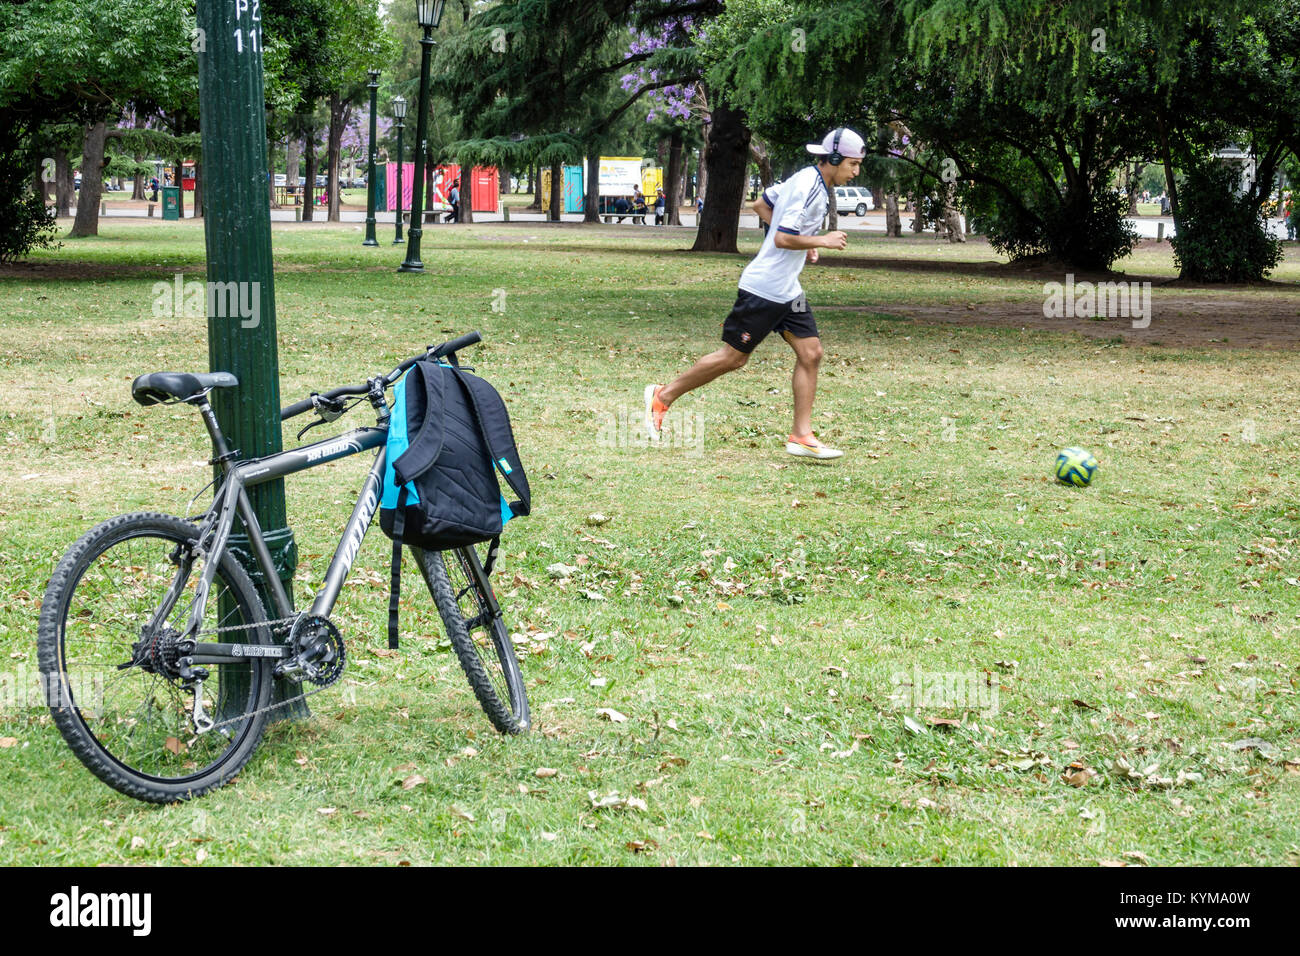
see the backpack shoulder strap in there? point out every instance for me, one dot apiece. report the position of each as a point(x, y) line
point(425, 384)
point(487, 405)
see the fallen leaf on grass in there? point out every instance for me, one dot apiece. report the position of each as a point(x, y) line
point(327, 811)
point(609, 713)
point(1265, 748)
point(614, 801)
point(642, 846)
point(913, 726)
point(942, 722)
point(1083, 703)
point(201, 855)
point(413, 781)
point(137, 843)
point(1136, 855)
point(596, 519)
point(171, 743)
point(461, 814)
point(545, 772)
point(1080, 777)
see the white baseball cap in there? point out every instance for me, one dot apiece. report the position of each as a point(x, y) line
point(850, 144)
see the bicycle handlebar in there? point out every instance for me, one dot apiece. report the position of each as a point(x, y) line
point(432, 352)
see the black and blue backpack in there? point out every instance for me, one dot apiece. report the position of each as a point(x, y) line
point(449, 438)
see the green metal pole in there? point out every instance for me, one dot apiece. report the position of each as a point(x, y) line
point(398, 240)
point(413, 263)
point(241, 281)
point(370, 173)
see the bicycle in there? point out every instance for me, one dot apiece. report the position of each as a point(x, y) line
point(158, 655)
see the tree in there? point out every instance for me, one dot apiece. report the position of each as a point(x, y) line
point(1001, 99)
point(572, 52)
point(71, 60)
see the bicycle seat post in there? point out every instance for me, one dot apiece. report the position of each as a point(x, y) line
point(222, 454)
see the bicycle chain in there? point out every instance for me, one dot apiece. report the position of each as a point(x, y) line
point(268, 707)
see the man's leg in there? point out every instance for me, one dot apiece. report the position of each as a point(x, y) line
point(808, 359)
point(709, 367)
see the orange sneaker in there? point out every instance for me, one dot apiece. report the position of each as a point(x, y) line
point(654, 411)
point(807, 446)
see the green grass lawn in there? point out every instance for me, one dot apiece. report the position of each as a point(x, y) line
point(1123, 657)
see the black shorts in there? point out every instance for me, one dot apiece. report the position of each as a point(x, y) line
point(752, 318)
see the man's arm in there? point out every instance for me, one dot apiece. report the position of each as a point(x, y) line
point(790, 240)
point(762, 210)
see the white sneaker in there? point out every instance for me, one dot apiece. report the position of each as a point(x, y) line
point(810, 447)
point(654, 412)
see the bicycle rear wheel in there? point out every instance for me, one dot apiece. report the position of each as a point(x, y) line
point(469, 610)
point(111, 680)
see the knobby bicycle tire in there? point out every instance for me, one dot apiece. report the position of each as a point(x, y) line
point(130, 725)
point(463, 596)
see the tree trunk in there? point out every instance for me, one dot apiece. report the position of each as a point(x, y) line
point(270, 190)
point(309, 173)
point(832, 215)
point(673, 185)
point(466, 196)
point(727, 163)
point(332, 159)
point(92, 183)
point(64, 192)
point(1135, 177)
point(290, 163)
point(557, 192)
point(198, 189)
point(951, 217)
point(702, 168)
point(535, 177)
point(893, 223)
point(137, 184)
point(918, 225)
point(591, 201)
point(764, 162)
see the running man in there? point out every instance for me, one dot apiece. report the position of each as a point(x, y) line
point(770, 297)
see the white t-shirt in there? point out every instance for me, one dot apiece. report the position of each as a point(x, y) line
point(798, 207)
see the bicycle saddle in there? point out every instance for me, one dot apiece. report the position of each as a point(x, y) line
point(157, 387)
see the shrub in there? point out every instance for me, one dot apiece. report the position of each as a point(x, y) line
point(1222, 237)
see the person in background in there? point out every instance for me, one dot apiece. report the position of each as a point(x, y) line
point(770, 298)
point(1288, 216)
point(639, 209)
point(661, 207)
point(453, 197)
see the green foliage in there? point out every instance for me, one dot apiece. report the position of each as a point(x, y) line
point(1222, 237)
point(25, 223)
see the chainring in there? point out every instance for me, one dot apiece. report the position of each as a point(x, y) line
point(318, 637)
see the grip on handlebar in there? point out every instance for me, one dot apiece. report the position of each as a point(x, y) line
point(455, 345)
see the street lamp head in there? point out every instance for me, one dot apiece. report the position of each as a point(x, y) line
point(374, 78)
point(429, 12)
point(399, 107)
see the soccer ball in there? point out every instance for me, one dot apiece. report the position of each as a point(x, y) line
point(1075, 466)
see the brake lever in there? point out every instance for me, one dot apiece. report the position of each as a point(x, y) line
point(329, 410)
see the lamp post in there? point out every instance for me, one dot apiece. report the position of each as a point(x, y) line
point(399, 113)
point(373, 85)
point(428, 13)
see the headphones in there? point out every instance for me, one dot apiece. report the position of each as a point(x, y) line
point(835, 158)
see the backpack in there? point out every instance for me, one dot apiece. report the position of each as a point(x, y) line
point(448, 437)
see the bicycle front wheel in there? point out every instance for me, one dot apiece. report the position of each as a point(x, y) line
point(469, 610)
point(110, 670)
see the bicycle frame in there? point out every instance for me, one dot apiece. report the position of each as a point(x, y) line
point(215, 529)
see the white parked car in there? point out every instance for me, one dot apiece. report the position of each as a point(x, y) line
point(853, 199)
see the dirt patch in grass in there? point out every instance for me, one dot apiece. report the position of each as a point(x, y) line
point(1176, 321)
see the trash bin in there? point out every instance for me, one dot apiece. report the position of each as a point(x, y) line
point(171, 202)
